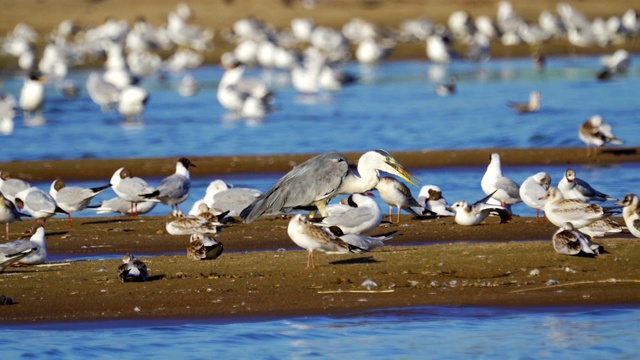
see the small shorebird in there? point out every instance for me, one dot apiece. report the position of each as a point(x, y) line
point(174, 189)
point(359, 215)
point(395, 193)
point(129, 188)
point(434, 203)
point(132, 269)
point(470, 215)
point(631, 213)
point(532, 106)
point(569, 241)
point(39, 204)
point(314, 238)
point(36, 243)
point(504, 190)
point(560, 210)
point(573, 187)
point(10, 186)
point(202, 247)
point(533, 189)
point(596, 132)
point(73, 198)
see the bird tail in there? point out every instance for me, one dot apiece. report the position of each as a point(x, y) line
point(151, 195)
point(356, 249)
point(100, 189)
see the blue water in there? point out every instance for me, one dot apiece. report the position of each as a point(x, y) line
point(409, 333)
point(393, 107)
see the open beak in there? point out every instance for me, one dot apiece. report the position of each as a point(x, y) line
point(403, 173)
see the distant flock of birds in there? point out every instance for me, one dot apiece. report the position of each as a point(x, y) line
point(340, 228)
point(311, 54)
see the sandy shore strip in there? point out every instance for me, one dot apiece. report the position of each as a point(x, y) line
point(262, 273)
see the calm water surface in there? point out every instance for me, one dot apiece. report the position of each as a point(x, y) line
point(429, 332)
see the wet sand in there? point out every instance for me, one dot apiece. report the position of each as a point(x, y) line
point(262, 273)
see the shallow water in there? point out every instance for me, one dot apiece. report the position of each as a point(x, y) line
point(424, 332)
point(393, 107)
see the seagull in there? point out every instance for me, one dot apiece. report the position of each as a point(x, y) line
point(434, 203)
point(131, 103)
point(7, 113)
point(395, 193)
point(602, 227)
point(8, 257)
point(32, 96)
point(178, 224)
point(360, 215)
point(222, 196)
point(448, 88)
point(124, 207)
point(129, 188)
point(37, 243)
point(596, 132)
point(504, 190)
point(245, 97)
point(174, 189)
point(317, 180)
point(8, 213)
point(102, 92)
point(534, 188)
point(569, 241)
point(470, 215)
point(10, 186)
point(202, 247)
point(73, 198)
point(37, 203)
point(132, 269)
point(532, 106)
point(560, 210)
point(311, 237)
point(573, 187)
point(188, 86)
point(631, 213)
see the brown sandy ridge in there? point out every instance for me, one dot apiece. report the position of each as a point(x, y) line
point(491, 264)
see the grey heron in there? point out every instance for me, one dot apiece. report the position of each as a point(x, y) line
point(314, 182)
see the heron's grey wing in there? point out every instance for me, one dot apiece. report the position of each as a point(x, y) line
point(313, 180)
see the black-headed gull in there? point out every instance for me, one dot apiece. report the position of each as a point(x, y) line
point(132, 269)
point(11, 186)
point(39, 204)
point(533, 189)
point(356, 214)
point(569, 241)
point(124, 207)
point(470, 215)
point(174, 189)
point(504, 190)
point(314, 238)
point(573, 187)
point(37, 241)
point(9, 257)
point(433, 203)
point(8, 213)
point(73, 198)
point(396, 194)
point(560, 210)
point(178, 224)
point(631, 213)
point(32, 96)
point(130, 188)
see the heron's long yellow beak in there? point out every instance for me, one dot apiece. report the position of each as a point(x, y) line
point(404, 173)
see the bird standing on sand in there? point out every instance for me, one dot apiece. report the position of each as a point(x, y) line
point(38, 203)
point(174, 189)
point(504, 190)
point(8, 213)
point(314, 238)
point(532, 106)
point(73, 198)
point(569, 241)
point(533, 189)
point(314, 182)
point(129, 188)
point(132, 269)
point(631, 213)
point(573, 187)
point(470, 215)
point(10, 186)
point(395, 193)
point(596, 132)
